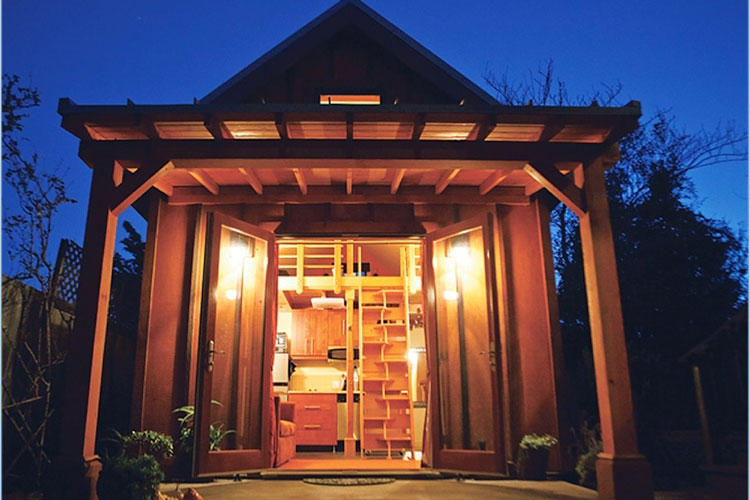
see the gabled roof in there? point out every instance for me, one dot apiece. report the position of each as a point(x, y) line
point(348, 13)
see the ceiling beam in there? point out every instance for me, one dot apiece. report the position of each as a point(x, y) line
point(492, 180)
point(445, 179)
point(349, 176)
point(205, 180)
point(134, 185)
point(397, 178)
point(466, 195)
point(360, 150)
point(563, 188)
point(301, 181)
point(252, 179)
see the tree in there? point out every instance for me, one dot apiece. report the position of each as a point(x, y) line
point(28, 396)
point(681, 274)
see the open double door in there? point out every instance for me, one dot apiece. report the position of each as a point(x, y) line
point(463, 428)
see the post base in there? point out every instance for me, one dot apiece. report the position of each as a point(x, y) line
point(623, 477)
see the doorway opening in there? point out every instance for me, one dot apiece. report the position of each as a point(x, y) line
point(351, 351)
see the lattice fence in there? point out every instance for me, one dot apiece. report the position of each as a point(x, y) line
point(67, 271)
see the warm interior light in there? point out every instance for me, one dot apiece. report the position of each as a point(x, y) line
point(413, 357)
point(450, 295)
point(352, 99)
point(460, 252)
point(238, 253)
point(231, 294)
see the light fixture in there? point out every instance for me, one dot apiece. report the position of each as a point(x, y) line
point(450, 295)
point(231, 294)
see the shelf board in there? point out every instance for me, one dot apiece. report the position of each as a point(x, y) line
point(400, 397)
point(383, 418)
point(391, 360)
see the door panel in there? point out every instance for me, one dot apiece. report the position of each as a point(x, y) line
point(236, 347)
point(462, 342)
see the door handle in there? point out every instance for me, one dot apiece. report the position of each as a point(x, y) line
point(212, 352)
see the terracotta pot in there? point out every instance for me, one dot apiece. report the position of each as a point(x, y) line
point(532, 463)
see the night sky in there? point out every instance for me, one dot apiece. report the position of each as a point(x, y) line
point(685, 56)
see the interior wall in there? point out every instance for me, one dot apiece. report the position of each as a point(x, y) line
point(533, 343)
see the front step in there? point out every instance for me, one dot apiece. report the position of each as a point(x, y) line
point(302, 474)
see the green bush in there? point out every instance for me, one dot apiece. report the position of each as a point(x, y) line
point(128, 478)
point(591, 445)
point(536, 442)
point(153, 443)
point(216, 432)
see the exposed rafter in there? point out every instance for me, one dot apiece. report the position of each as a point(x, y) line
point(492, 180)
point(301, 181)
point(563, 188)
point(253, 179)
point(397, 178)
point(205, 180)
point(446, 179)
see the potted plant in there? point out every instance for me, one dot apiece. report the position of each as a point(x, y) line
point(185, 418)
point(533, 451)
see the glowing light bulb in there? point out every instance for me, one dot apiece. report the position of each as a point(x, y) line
point(231, 294)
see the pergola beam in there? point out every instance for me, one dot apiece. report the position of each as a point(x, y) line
point(135, 185)
point(205, 180)
point(492, 180)
point(559, 185)
point(422, 152)
point(252, 179)
point(446, 179)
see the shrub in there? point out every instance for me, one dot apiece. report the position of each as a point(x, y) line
point(153, 443)
point(128, 478)
point(536, 442)
point(591, 445)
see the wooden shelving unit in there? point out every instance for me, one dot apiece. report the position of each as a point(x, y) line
point(386, 408)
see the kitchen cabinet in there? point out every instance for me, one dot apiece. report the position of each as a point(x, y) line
point(316, 418)
point(313, 330)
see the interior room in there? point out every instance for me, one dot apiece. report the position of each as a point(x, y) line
point(350, 351)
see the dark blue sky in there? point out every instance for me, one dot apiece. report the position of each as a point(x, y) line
point(687, 56)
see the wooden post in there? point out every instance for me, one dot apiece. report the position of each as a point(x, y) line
point(622, 473)
point(705, 429)
point(350, 444)
point(85, 357)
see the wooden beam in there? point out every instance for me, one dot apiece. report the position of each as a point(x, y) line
point(349, 175)
point(301, 181)
point(559, 185)
point(621, 471)
point(492, 180)
point(281, 125)
point(302, 150)
point(397, 178)
point(416, 132)
point(164, 187)
point(253, 179)
point(466, 195)
point(205, 180)
point(217, 129)
point(83, 367)
point(135, 185)
point(446, 179)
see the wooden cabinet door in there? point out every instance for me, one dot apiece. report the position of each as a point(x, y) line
point(316, 326)
point(316, 417)
point(337, 328)
point(297, 337)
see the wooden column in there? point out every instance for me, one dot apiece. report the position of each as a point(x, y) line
point(85, 357)
point(622, 473)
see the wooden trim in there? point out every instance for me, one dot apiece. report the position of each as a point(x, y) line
point(335, 194)
point(492, 180)
point(349, 181)
point(252, 179)
point(563, 188)
point(135, 185)
point(205, 180)
point(446, 179)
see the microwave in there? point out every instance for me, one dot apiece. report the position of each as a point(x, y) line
point(338, 353)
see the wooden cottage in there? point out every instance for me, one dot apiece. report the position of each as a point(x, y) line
point(351, 167)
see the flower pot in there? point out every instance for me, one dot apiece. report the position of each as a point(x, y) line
point(532, 463)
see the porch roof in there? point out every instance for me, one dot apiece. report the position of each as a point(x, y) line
point(212, 153)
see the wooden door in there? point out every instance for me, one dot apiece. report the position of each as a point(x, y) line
point(337, 328)
point(237, 344)
point(462, 342)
